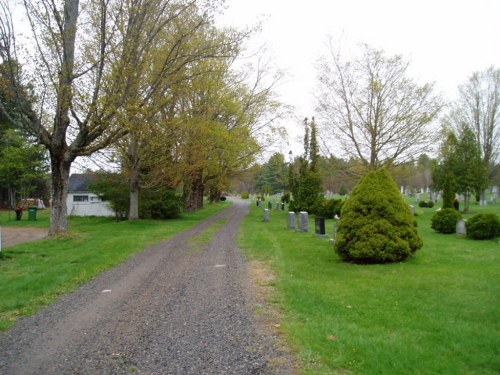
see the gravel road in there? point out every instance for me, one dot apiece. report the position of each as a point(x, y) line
point(180, 307)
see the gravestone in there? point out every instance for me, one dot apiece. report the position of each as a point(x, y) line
point(303, 221)
point(412, 207)
point(494, 192)
point(483, 200)
point(461, 228)
point(291, 220)
point(266, 215)
point(335, 227)
point(319, 224)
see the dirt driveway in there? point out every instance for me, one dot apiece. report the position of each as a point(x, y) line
point(15, 235)
point(183, 306)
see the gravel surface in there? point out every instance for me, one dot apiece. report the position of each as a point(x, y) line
point(179, 307)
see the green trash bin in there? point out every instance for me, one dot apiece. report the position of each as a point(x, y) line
point(32, 213)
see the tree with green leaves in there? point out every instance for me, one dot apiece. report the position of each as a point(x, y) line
point(306, 184)
point(23, 166)
point(89, 62)
point(443, 173)
point(273, 175)
point(461, 168)
point(471, 173)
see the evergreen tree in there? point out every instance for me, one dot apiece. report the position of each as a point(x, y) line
point(306, 186)
point(376, 225)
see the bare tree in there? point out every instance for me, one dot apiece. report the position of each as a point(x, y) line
point(478, 106)
point(372, 110)
point(85, 75)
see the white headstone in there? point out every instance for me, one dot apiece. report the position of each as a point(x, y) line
point(461, 228)
point(291, 220)
point(266, 215)
point(303, 221)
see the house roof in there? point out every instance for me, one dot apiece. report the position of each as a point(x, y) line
point(80, 182)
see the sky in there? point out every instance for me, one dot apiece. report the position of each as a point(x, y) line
point(445, 41)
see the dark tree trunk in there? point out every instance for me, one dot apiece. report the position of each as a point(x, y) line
point(193, 194)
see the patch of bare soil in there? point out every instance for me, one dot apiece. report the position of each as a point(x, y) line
point(268, 313)
point(15, 235)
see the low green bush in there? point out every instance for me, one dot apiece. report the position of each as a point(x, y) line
point(329, 208)
point(484, 226)
point(159, 204)
point(430, 203)
point(422, 204)
point(445, 220)
point(245, 195)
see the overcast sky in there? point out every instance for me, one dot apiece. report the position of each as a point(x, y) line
point(444, 40)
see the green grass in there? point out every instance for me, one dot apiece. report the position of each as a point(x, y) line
point(436, 313)
point(36, 273)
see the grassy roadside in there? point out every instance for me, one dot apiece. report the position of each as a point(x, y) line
point(36, 273)
point(438, 312)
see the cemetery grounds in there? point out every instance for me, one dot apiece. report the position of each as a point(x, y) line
point(436, 313)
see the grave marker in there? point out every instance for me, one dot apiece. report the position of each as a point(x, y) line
point(303, 221)
point(461, 228)
point(291, 220)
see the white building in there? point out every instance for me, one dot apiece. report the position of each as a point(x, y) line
point(82, 202)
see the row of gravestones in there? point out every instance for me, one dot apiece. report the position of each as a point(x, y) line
point(482, 202)
point(300, 223)
point(276, 205)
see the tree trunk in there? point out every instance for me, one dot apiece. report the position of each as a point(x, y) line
point(193, 194)
point(60, 187)
point(466, 203)
point(133, 213)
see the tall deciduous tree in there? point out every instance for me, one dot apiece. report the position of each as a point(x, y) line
point(372, 109)
point(86, 57)
point(478, 106)
point(189, 40)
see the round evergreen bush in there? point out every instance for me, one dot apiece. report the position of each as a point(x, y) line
point(245, 195)
point(376, 225)
point(445, 220)
point(430, 203)
point(483, 226)
point(422, 204)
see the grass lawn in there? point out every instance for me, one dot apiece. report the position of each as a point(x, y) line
point(436, 313)
point(35, 273)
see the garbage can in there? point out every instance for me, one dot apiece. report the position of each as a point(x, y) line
point(320, 226)
point(32, 213)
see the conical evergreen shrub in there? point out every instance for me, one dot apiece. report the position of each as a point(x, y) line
point(376, 224)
